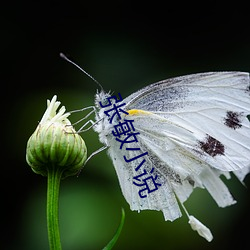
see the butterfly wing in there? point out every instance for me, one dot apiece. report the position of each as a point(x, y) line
point(212, 106)
point(193, 129)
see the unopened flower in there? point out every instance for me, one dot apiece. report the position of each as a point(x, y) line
point(55, 143)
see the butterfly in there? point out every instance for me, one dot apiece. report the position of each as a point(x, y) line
point(184, 132)
point(175, 135)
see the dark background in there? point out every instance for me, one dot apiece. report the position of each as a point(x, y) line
point(125, 45)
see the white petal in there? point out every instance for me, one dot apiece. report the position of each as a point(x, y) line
point(200, 228)
point(51, 114)
point(50, 109)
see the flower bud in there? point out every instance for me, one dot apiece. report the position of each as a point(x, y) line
point(55, 144)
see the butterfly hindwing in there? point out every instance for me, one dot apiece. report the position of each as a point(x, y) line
point(130, 173)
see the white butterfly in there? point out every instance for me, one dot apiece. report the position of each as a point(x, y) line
point(179, 134)
point(187, 131)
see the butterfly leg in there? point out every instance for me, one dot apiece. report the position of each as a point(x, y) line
point(92, 154)
point(96, 152)
point(86, 116)
point(81, 129)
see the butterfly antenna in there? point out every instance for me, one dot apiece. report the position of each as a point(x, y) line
point(86, 73)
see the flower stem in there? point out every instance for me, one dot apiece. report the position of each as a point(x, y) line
point(54, 177)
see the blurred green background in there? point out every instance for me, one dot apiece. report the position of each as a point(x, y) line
point(125, 46)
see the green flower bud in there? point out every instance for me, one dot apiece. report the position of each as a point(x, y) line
point(55, 144)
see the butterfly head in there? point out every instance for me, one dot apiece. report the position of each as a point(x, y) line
point(103, 126)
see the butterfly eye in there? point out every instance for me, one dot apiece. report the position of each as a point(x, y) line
point(104, 103)
point(107, 102)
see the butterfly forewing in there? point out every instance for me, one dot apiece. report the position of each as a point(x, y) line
point(213, 107)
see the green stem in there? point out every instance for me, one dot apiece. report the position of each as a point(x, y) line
point(54, 177)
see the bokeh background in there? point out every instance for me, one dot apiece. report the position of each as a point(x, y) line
point(125, 45)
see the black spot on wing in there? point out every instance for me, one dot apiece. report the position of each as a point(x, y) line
point(212, 146)
point(233, 119)
point(248, 117)
point(248, 89)
point(190, 181)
